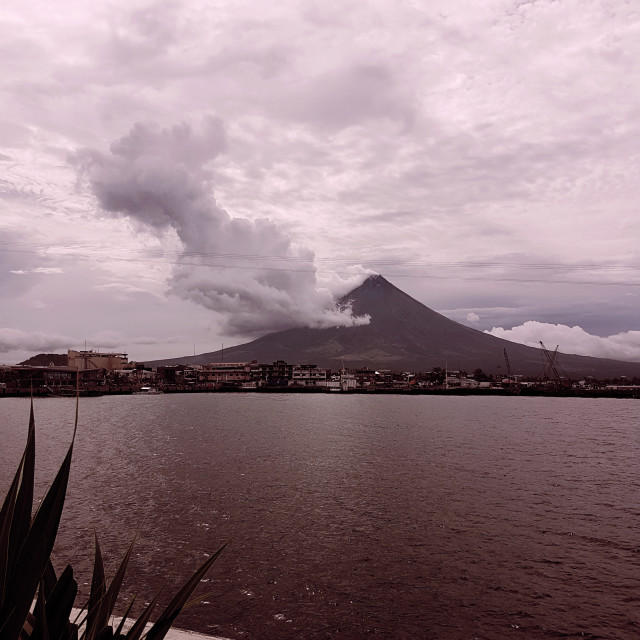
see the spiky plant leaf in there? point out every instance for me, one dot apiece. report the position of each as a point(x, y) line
point(16, 478)
point(15, 515)
point(106, 633)
point(6, 518)
point(24, 502)
point(98, 618)
point(140, 624)
point(50, 579)
point(165, 621)
point(9, 501)
point(116, 584)
point(123, 620)
point(71, 633)
point(60, 602)
point(98, 589)
point(40, 628)
point(34, 554)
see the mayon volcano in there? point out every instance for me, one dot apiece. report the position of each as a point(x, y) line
point(403, 334)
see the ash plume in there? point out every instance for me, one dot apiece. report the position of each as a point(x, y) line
point(248, 271)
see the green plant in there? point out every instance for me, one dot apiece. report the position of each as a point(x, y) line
point(27, 574)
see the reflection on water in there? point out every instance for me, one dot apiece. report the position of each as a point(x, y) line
point(350, 516)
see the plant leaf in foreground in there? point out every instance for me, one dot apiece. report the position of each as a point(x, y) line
point(60, 603)
point(15, 515)
point(34, 554)
point(98, 588)
point(24, 502)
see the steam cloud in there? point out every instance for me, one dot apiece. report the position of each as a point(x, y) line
point(247, 270)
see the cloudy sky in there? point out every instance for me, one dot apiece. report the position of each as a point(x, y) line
point(186, 173)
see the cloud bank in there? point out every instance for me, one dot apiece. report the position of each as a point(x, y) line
point(247, 270)
point(15, 339)
point(621, 346)
point(38, 342)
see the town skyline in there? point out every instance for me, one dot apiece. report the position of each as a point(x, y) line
point(180, 175)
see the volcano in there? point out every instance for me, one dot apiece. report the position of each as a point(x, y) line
point(403, 334)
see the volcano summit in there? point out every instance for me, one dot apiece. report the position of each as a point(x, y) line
point(403, 334)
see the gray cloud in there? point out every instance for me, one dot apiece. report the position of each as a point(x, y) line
point(15, 339)
point(248, 271)
point(347, 96)
point(152, 340)
point(20, 268)
point(143, 33)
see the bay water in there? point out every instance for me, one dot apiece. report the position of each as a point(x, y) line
point(353, 516)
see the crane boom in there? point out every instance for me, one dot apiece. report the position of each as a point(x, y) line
point(551, 359)
point(506, 361)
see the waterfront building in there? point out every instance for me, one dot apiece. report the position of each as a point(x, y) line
point(347, 381)
point(172, 374)
point(236, 373)
point(307, 374)
point(23, 379)
point(461, 381)
point(365, 377)
point(83, 360)
point(273, 375)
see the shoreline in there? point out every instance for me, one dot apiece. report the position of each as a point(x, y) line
point(528, 392)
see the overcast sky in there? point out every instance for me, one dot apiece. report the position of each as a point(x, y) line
point(186, 173)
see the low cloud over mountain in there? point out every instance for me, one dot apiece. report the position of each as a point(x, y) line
point(622, 346)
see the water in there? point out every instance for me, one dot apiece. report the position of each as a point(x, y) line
point(356, 516)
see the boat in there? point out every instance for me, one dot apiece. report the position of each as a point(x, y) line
point(147, 391)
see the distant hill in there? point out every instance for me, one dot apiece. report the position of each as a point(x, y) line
point(45, 359)
point(403, 335)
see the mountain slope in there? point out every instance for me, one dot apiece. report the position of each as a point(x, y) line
point(403, 334)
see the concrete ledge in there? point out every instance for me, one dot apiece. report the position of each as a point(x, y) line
point(181, 634)
point(173, 634)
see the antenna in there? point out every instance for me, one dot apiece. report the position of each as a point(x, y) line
point(194, 349)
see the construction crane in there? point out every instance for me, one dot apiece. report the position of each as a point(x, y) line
point(553, 367)
point(506, 362)
point(550, 367)
point(550, 358)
